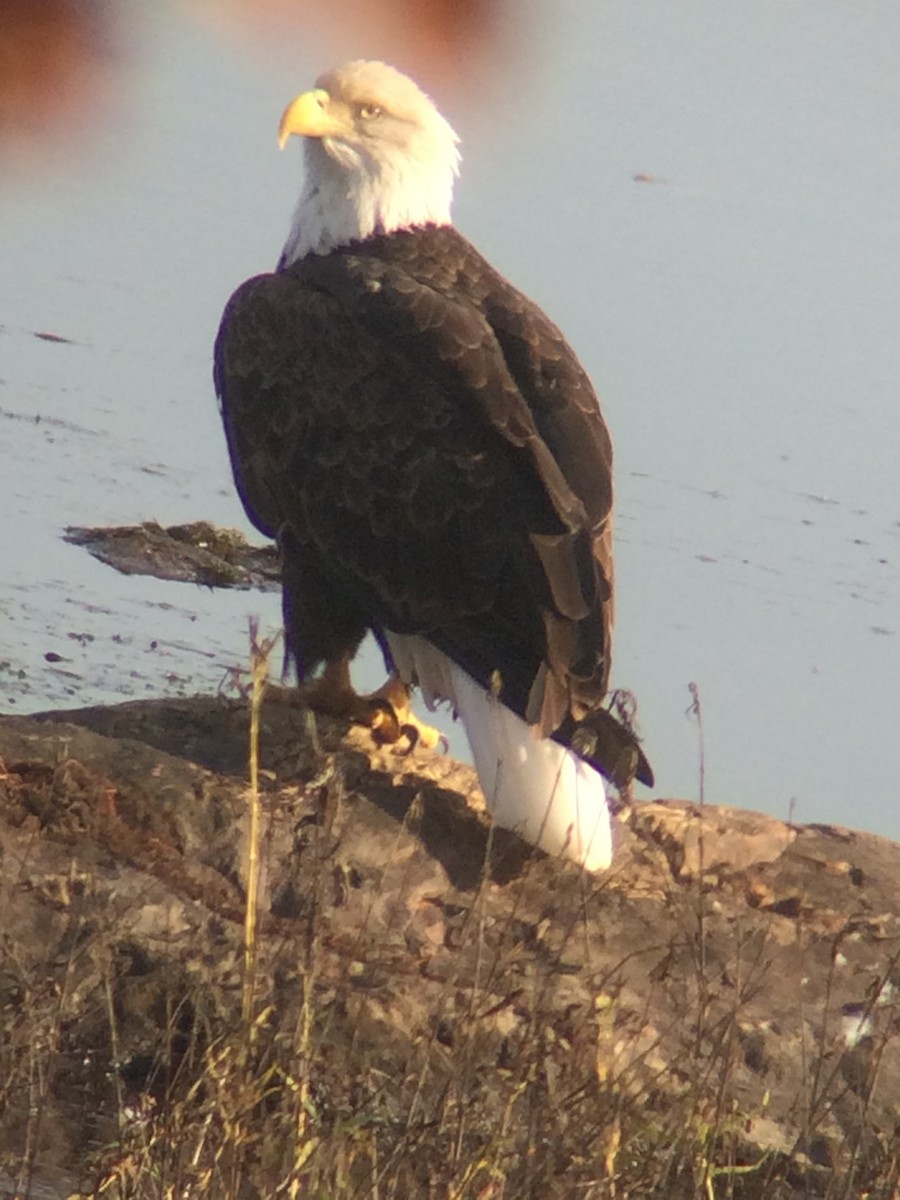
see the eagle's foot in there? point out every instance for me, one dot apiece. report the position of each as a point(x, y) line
point(385, 712)
point(393, 720)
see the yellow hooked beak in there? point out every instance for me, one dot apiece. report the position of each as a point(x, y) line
point(310, 115)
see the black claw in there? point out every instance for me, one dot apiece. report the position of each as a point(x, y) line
point(384, 723)
point(412, 735)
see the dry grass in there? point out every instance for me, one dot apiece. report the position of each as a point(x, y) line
point(277, 1088)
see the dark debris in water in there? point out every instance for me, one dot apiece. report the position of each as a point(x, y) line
point(195, 553)
point(45, 336)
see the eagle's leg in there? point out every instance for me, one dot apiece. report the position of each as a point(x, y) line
point(386, 711)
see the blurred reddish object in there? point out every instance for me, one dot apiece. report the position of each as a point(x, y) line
point(59, 59)
point(54, 61)
point(438, 41)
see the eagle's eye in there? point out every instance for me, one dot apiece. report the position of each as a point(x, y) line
point(370, 112)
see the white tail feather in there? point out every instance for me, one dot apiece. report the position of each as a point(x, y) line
point(543, 791)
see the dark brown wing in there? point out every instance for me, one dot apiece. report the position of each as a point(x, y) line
point(401, 415)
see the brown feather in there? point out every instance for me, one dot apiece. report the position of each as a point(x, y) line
point(421, 439)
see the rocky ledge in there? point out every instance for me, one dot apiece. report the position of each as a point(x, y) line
point(428, 1007)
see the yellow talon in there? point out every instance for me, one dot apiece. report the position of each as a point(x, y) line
point(385, 712)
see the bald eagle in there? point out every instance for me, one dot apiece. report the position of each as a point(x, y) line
point(430, 457)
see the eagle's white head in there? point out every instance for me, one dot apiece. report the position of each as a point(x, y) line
point(379, 157)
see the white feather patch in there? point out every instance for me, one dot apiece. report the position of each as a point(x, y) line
point(532, 785)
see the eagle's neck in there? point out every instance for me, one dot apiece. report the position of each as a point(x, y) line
point(343, 203)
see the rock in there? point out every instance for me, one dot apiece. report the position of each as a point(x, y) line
point(433, 1002)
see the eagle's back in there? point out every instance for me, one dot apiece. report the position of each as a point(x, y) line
point(422, 436)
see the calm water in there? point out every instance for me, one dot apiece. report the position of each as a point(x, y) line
point(737, 308)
